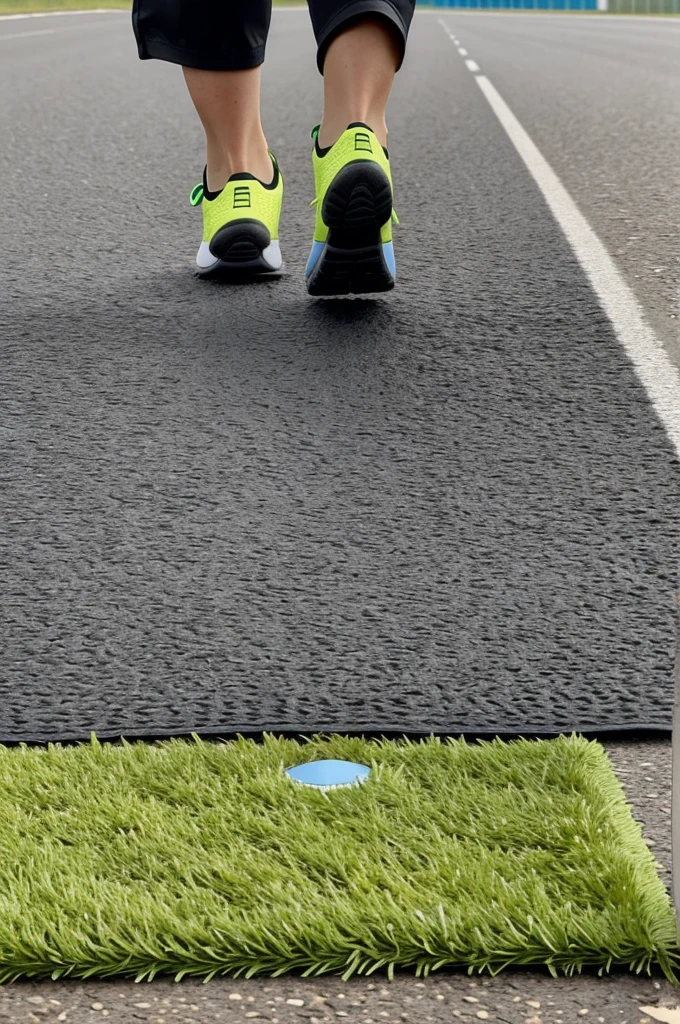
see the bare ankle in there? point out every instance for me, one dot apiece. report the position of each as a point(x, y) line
point(252, 158)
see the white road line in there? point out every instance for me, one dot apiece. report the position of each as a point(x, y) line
point(24, 35)
point(60, 14)
point(658, 374)
point(660, 377)
point(470, 63)
point(47, 31)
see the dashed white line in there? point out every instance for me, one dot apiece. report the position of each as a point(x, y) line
point(60, 14)
point(448, 31)
point(66, 30)
point(24, 35)
point(658, 374)
point(472, 66)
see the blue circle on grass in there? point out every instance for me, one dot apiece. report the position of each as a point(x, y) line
point(327, 774)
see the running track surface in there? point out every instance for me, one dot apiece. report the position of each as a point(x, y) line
point(234, 507)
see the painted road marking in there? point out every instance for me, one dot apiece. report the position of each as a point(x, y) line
point(447, 30)
point(659, 376)
point(462, 52)
point(24, 35)
point(59, 14)
point(472, 65)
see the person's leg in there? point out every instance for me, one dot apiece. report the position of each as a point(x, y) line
point(358, 72)
point(228, 104)
point(220, 46)
point(360, 47)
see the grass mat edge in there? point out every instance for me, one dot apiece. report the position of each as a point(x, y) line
point(158, 783)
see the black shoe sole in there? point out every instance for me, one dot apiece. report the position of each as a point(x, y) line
point(239, 247)
point(356, 206)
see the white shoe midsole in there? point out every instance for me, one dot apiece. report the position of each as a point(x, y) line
point(205, 260)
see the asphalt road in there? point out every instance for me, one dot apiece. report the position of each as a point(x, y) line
point(469, 464)
point(96, 150)
point(600, 97)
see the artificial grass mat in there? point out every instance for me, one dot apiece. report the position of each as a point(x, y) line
point(202, 858)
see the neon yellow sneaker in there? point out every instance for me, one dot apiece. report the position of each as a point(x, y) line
point(352, 250)
point(240, 224)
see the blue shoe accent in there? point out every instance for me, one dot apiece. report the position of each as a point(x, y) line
point(334, 270)
point(388, 253)
point(317, 249)
point(328, 774)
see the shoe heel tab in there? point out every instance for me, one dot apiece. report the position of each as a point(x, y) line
point(360, 124)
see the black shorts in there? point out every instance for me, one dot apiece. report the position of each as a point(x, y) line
point(231, 35)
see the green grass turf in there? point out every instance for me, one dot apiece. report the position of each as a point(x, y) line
point(202, 858)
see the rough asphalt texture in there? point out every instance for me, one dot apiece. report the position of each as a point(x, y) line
point(236, 509)
point(140, 379)
point(600, 97)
